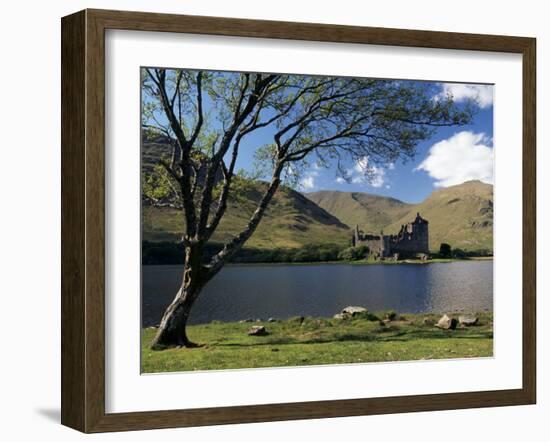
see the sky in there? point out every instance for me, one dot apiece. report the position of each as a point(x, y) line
point(451, 156)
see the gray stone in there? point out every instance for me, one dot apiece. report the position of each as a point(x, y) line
point(468, 321)
point(272, 320)
point(246, 320)
point(352, 310)
point(428, 321)
point(339, 316)
point(257, 330)
point(447, 323)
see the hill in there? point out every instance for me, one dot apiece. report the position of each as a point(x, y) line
point(460, 215)
point(371, 213)
point(291, 221)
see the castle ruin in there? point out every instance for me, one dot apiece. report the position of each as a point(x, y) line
point(411, 241)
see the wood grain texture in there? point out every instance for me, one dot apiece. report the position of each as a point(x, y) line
point(73, 254)
point(83, 220)
point(529, 221)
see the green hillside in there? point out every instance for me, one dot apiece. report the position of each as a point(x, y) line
point(291, 221)
point(371, 213)
point(460, 215)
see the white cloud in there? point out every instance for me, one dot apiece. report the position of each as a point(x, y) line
point(365, 173)
point(307, 183)
point(340, 180)
point(308, 180)
point(464, 156)
point(483, 94)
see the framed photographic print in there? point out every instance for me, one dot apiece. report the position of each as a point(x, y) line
point(267, 221)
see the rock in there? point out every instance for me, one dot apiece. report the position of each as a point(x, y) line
point(298, 319)
point(352, 310)
point(468, 321)
point(339, 316)
point(272, 320)
point(257, 330)
point(258, 320)
point(446, 323)
point(428, 321)
point(246, 320)
point(391, 315)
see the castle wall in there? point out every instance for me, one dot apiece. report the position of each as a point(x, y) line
point(379, 245)
point(412, 239)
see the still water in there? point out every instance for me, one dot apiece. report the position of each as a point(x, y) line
point(282, 291)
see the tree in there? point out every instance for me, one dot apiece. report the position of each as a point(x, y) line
point(354, 253)
point(445, 250)
point(208, 116)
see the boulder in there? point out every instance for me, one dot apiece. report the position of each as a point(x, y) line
point(246, 320)
point(391, 315)
point(447, 323)
point(272, 320)
point(339, 316)
point(428, 321)
point(467, 321)
point(257, 330)
point(352, 310)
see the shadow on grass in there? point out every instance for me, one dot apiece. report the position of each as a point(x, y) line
point(375, 336)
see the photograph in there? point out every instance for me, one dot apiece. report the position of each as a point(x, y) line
point(298, 220)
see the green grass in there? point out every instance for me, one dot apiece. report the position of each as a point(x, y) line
point(319, 341)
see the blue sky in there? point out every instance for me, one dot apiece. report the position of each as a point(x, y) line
point(451, 156)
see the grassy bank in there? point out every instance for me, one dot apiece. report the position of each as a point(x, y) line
point(315, 341)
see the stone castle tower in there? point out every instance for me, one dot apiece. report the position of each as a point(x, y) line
point(412, 240)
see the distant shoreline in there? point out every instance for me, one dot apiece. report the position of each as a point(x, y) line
point(357, 263)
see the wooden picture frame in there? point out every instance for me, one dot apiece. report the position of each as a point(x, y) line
point(83, 220)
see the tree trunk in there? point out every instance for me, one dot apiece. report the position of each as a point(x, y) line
point(172, 329)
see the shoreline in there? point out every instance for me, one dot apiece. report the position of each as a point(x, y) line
point(379, 313)
point(358, 262)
